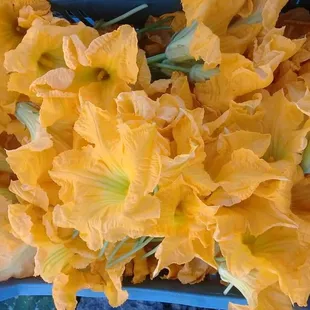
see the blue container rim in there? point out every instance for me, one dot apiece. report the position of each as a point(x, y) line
point(207, 294)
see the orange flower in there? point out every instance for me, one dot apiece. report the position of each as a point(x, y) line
point(39, 52)
point(98, 72)
point(112, 172)
point(183, 221)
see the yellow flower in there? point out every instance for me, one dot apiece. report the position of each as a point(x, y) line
point(299, 207)
point(113, 56)
point(228, 142)
point(63, 258)
point(26, 222)
point(39, 52)
point(114, 179)
point(241, 34)
point(56, 247)
point(195, 42)
point(244, 216)
point(180, 87)
point(276, 48)
point(215, 14)
point(32, 161)
point(166, 111)
point(188, 154)
point(285, 122)
point(183, 221)
point(298, 93)
point(238, 76)
point(29, 13)
point(16, 258)
point(144, 78)
point(7, 98)
point(12, 33)
point(268, 252)
point(97, 277)
point(98, 72)
point(58, 102)
point(255, 17)
point(260, 288)
point(239, 178)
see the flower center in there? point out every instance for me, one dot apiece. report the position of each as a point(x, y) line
point(60, 256)
point(103, 75)
point(49, 61)
point(179, 214)
point(115, 187)
point(21, 30)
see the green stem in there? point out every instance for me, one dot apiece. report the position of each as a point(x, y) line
point(29, 116)
point(133, 251)
point(121, 17)
point(141, 240)
point(172, 67)
point(149, 29)
point(255, 18)
point(156, 58)
point(198, 74)
point(117, 247)
point(228, 288)
point(105, 245)
point(156, 189)
point(75, 234)
point(151, 252)
point(184, 32)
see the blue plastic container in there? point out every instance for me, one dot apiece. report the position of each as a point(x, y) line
point(109, 9)
point(208, 294)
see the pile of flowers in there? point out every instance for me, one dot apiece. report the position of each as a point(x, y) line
point(181, 146)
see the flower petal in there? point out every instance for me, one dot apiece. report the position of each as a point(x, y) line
point(215, 14)
point(243, 174)
point(16, 258)
point(31, 194)
point(116, 52)
point(180, 87)
point(193, 272)
point(205, 45)
point(178, 250)
point(288, 137)
point(246, 215)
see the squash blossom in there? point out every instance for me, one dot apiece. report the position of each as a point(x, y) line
point(117, 177)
